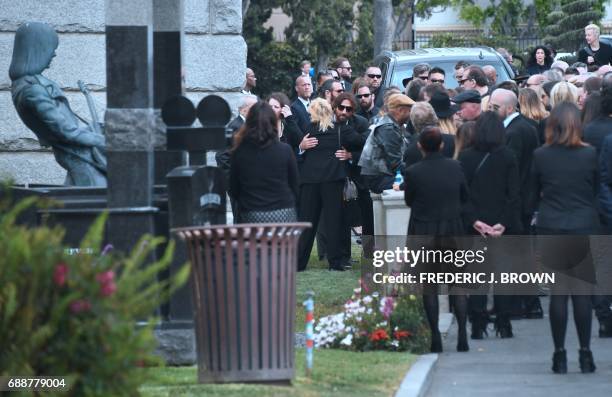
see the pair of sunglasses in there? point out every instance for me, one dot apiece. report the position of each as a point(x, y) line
point(343, 108)
point(375, 76)
point(359, 96)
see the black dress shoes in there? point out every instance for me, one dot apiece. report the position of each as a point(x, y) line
point(559, 362)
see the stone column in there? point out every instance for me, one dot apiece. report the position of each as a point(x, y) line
point(129, 119)
point(168, 40)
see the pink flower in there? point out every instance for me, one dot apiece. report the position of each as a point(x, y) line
point(60, 274)
point(106, 277)
point(387, 308)
point(108, 288)
point(80, 305)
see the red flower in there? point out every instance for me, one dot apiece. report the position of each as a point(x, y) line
point(60, 274)
point(80, 305)
point(378, 335)
point(106, 277)
point(108, 289)
point(402, 334)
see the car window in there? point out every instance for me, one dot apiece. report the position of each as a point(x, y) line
point(404, 69)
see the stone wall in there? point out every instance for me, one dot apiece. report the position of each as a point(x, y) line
point(214, 61)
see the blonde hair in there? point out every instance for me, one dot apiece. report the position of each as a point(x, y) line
point(321, 113)
point(594, 28)
point(563, 92)
point(530, 104)
point(448, 126)
point(422, 115)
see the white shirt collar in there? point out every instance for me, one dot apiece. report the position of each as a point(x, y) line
point(304, 101)
point(509, 119)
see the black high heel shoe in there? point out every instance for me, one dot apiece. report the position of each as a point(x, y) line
point(479, 327)
point(587, 365)
point(559, 362)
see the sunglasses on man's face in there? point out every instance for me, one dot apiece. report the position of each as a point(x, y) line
point(343, 108)
point(462, 81)
point(375, 76)
point(424, 77)
point(437, 81)
point(359, 96)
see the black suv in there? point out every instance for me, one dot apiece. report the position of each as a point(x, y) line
point(397, 65)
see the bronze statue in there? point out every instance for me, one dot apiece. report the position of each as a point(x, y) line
point(44, 109)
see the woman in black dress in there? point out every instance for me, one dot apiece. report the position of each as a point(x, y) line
point(492, 174)
point(435, 190)
point(263, 170)
point(565, 178)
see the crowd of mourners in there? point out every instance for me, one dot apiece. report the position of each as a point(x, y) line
point(492, 158)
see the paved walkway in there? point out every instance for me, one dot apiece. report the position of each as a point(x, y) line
point(520, 366)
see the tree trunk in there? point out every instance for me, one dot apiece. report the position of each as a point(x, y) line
point(322, 62)
point(245, 7)
point(383, 32)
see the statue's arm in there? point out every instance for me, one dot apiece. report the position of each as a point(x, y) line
point(60, 124)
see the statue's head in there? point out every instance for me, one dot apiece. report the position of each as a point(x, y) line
point(33, 50)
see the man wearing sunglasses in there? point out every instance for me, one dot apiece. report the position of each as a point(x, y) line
point(367, 107)
point(354, 131)
point(344, 69)
point(373, 76)
point(436, 75)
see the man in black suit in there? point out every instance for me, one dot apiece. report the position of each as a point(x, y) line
point(367, 106)
point(344, 69)
point(299, 107)
point(522, 139)
point(373, 76)
point(344, 109)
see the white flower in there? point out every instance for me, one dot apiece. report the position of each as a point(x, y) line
point(395, 343)
point(347, 341)
point(375, 294)
point(367, 299)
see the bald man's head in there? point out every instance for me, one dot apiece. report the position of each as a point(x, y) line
point(503, 102)
point(535, 80)
point(491, 74)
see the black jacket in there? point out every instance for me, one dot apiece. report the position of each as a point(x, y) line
point(435, 189)
point(537, 69)
point(596, 131)
point(223, 157)
point(303, 117)
point(264, 178)
point(565, 184)
point(388, 143)
point(319, 164)
point(354, 142)
point(292, 134)
point(494, 188)
point(369, 114)
point(413, 155)
point(522, 139)
point(603, 56)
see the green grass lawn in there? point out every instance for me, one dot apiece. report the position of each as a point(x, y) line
point(332, 289)
point(336, 373)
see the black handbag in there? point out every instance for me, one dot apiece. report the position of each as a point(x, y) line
point(349, 191)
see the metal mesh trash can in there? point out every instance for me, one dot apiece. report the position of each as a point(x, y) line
point(244, 300)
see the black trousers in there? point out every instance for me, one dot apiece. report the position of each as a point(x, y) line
point(321, 200)
point(367, 221)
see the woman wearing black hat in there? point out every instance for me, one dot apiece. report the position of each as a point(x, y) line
point(445, 111)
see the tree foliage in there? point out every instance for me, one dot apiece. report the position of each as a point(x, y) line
point(320, 29)
point(567, 22)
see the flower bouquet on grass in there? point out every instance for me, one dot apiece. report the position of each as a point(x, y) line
point(374, 322)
